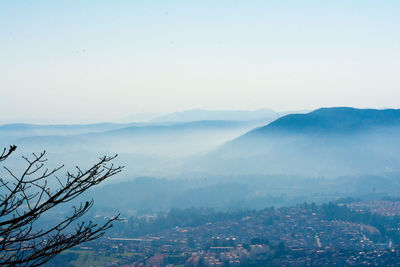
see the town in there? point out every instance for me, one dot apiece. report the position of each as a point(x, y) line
point(307, 234)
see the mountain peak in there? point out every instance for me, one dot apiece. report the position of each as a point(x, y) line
point(334, 120)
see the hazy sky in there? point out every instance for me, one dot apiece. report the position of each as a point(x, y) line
point(80, 61)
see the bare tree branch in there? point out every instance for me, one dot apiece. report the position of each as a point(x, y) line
point(25, 198)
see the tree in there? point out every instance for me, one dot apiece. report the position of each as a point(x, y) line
point(24, 198)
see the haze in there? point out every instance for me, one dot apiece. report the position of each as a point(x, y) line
point(78, 62)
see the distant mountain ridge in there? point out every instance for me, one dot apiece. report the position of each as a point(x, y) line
point(145, 148)
point(130, 130)
point(226, 115)
point(185, 126)
point(325, 142)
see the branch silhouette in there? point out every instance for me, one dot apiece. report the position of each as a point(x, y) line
point(24, 198)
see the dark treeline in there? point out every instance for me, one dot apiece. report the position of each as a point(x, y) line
point(143, 196)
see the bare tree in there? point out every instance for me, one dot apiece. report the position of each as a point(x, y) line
point(24, 198)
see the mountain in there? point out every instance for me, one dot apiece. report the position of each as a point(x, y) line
point(334, 120)
point(325, 142)
point(227, 115)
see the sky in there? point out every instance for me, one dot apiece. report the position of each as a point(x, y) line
point(90, 61)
